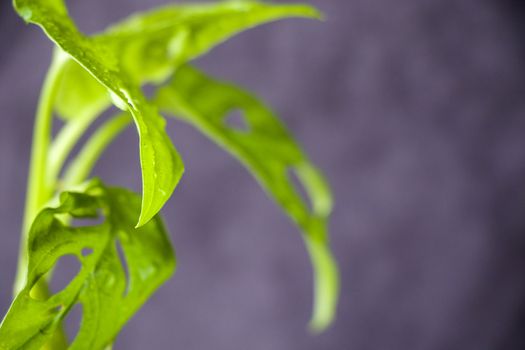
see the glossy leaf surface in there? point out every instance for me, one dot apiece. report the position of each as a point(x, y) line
point(147, 48)
point(161, 165)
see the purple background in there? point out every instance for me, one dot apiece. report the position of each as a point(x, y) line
point(416, 111)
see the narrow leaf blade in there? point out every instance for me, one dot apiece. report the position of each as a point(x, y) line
point(269, 153)
point(153, 44)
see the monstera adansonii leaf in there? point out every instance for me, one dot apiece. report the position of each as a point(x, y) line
point(268, 151)
point(110, 288)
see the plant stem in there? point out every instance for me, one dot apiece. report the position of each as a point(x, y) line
point(64, 142)
point(38, 189)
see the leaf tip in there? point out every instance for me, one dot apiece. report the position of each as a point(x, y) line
point(317, 14)
point(144, 218)
point(147, 212)
point(326, 286)
point(312, 12)
point(318, 326)
point(324, 312)
point(322, 318)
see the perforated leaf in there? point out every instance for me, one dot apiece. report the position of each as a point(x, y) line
point(108, 297)
point(266, 148)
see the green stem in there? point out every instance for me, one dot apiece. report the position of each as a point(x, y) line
point(64, 143)
point(81, 166)
point(46, 162)
point(38, 189)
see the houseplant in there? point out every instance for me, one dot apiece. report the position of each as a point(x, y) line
point(124, 249)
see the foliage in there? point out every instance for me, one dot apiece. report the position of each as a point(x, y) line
point(88, 75)
point(107, 299)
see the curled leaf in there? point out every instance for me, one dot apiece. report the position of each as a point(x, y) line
point(161, 165)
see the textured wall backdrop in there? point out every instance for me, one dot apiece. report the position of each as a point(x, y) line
point(415, 109)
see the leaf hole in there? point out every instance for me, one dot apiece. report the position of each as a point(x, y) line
point(237, 121)
point(299, 187)
point(124, 262)
point(66, 269)
point(149, 90)
point(58, 309)
point(56, 126)
point(73, 321)
point(85, 252)
point(88, 221)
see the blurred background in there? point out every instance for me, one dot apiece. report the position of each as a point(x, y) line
point(415, 109)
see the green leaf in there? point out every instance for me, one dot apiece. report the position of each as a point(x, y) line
point(79, 94)
point(108, 298)
point(144, 48)
point(161, 165)
point(266, 148)
point(150, 46)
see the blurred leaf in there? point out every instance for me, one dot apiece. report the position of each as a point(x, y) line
point(266, 148)
point(108, 298)
point(151, 45)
